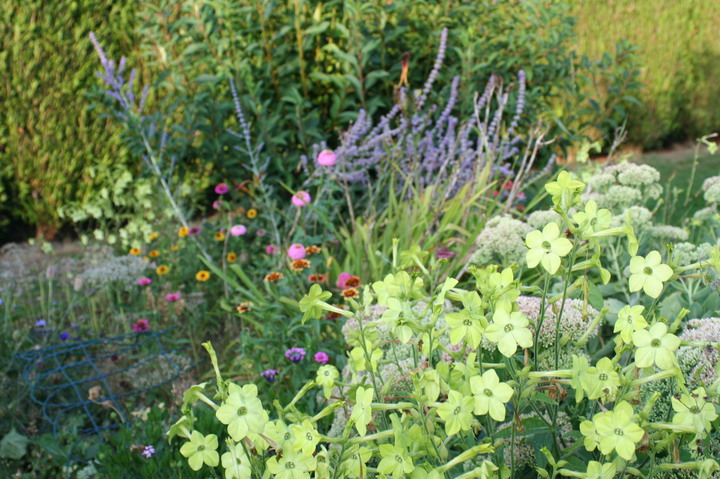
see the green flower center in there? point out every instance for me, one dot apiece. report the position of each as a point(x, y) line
point(603, 377)
point(398, 458)
point(327, 373)
point(546, 244)
point(593, 221)
point(508, 328)
point(287, 436)
point(289, 465)
point(456, 410)
point(201, 448)
point(647, 270)
point(309, 436)
point(629, 320)
point(619, 432)
point(242, 411)
point(655, 343)
point(467, 322)
point(488, 392)
point(694, 409)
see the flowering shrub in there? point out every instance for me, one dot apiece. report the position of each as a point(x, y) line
point(474, 379)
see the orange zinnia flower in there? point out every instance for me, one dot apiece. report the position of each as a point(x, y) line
point(231, 257)
point(274, 277)
point(252, 213)
point(162, 269)
point(154, 253)
point(183, 232)
point(202, 275)
point(352, 282)
point(350, 293)
point(312, 249)
point(135, 251)
point(219, 236)
point(244, 307)
point(299, 264)
point(317, 278)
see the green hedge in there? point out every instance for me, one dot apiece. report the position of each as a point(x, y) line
point(53, 149)
point(680, 53)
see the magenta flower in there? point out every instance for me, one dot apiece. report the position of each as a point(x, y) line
point(238, 230)
point(444, 253)
point(301, 198)
point(217, 204)
point(141, 325)
point(342, 279)
point(296, 251)
point(321, 357)
point(193, 230)
point(172, 297)
point(271, 249)
point(144, 281)
point(295, 354)
point(221, 188)
point(326, 158)
point(269, 374)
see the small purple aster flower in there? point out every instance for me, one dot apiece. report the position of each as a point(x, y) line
point(295, 354)
point(40, 323)
point(269, 374)
point(148, 452)
point(444, 253)
point(321, 357)
point(64, 336)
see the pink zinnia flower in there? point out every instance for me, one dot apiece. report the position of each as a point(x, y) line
point(217, 204)
point(141, 325)
point(342, 279)
point(326, 158)
point(221, 188)
point(172, 297)
point(238, 230)
point(296, 251)
point(301, 198)
point(321, 357)
point(144, 281)
point(271, 249)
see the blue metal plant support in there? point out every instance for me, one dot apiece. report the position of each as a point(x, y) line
point(95, 377)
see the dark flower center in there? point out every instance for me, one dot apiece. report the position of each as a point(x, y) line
point(655, 343)
point(289, 465)
point(546, 244)
point(508, 328)
point(456, 410)
point(201, 448)
point(467, 322)
point(647, 270)
point(398, 458)
point(242, 411)
point(603, 377)
point(619, 432)
point(488, 392)
point(593, 221)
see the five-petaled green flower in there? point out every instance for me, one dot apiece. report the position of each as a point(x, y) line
point(565, 191)
point(649, 274)
point(291, 465)
point(457, 413)
point(313, 303)
point(468, 323)
point(546, 248)
point(326, 377)
point(596, 470)
point(395, 461)
point(201, 449)
point(490, 395)
point(613, 431)
point(695, 410)
point(601, 381)
point(243, 413)
point(305, 437)
point(593, 220)
point(655, 346)
point(362, 411)
point(630, 319)
point(509, 330)
point(235, 462)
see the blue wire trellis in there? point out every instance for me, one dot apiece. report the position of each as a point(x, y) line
point(61, 376)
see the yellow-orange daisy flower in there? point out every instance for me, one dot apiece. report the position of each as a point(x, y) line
point(162, 269)
point(154, 253)
point(153, 236)
point(231, 257)
point(135, 251)
point(299, 264)
point(202, 275)
point(317, 278)
point(219, 236)
point(274, 277)
point(175, 247)
point(252, 213)
point(243, 307)
point(350, 293)
point(183, 232)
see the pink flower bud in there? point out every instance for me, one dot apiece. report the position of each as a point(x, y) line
point(326, 158)
point(296, 251)
point(301, 198)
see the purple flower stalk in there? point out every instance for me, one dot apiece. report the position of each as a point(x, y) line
point(295, 354)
